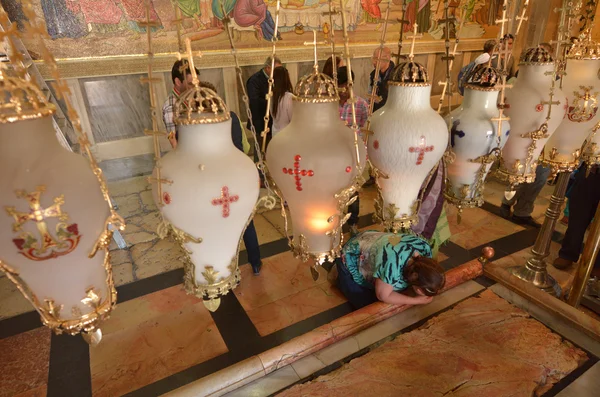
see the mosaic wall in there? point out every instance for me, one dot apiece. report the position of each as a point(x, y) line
point(99, 28)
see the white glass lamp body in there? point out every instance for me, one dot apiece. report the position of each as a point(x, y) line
point(52, 213)
point(581, 85)
point(409, 140)
point(473, 135)
point(311, 160)
point(527, 112)
point(212, 197)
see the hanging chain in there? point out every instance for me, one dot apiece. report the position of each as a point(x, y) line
point(154, 132)
point(274, 40)
point(36, 30)
point(332, 12)
point(449, 57)
point(262, 166)
point(402, 22)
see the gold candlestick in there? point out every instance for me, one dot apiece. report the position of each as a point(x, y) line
point(535, 270)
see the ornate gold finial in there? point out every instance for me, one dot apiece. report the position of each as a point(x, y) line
point(21, 99)
point(316, 87)
point(198, 105)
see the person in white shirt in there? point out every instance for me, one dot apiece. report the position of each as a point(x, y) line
point(281, 105)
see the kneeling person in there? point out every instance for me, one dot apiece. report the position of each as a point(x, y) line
point(376, 266)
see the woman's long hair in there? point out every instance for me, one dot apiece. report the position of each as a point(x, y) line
point(281, 85)
point(425, 273)
point(328, 67)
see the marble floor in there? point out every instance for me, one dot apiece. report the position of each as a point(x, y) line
point(159, 339)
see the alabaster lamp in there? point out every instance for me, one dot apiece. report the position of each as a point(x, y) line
point(313, 164)
point(53, 217)
point(210, 195)
point(475, 139)
point(581, 86)
point(409, 139)
point(531, 123)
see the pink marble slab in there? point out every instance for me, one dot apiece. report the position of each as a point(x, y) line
point(482, 347)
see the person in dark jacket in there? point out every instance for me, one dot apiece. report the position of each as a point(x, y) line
point(258, 87)
point(386, 67)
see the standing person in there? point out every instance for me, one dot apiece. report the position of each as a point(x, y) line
point(386, 66)
point(523, 202)
point(488, 49)
point(328, 67)
point(498, 61)
point(182, 80)
point(378, 266)
point(281, 105)
point(258, 87)
point(362, 114)
point(585, 196)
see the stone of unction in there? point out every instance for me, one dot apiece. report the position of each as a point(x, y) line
point(482, 347)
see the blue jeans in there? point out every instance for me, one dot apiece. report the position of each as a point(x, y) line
point(357, 295)
point(524, 199)
point(251, 243)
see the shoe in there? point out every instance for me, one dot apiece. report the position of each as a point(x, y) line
point(256, 269)
point(353, 230)
point(562, 263)
point(505, 210)
point(565, 220)
point(525, 220)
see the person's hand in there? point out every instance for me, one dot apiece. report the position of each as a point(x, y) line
point(422, 300)
point(173, 142)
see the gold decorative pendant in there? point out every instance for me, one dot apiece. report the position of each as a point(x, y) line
point(45, 246)
point(584, 106)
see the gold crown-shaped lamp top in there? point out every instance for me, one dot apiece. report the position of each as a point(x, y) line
point(411, 74)
point(536, 56)
point(316, 88)
point(21, 99)
point(200, 105)
point(584, 48)
point(483, 78)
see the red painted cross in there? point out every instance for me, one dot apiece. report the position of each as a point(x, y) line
point(421, 149)
point(297, 172)
point(225, 200)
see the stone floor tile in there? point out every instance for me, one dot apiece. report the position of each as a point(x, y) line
point(148, 200)
point(281, 275)
point(587, 385)
point(150, 338)
point(265, 230)
point(12, 301)
point(123, 274)
point(128, 205)
point(274, 217)
point(270, 318)
point(478, 227)
point(156, 257)
point(24, 361)
point(128, 186)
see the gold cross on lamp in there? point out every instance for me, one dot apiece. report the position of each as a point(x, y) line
point(414, 36)
point(314, 43)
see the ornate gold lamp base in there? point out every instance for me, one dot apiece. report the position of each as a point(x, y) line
point(535, 270)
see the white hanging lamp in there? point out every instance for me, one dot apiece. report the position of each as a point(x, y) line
point(562, 151)
point(210, 192)
point(54, 216)
point(529, 107)
point(313, 163)
point(409, 139)
point(475, 139)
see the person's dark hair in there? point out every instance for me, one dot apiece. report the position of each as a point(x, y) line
point(181, 69)
point(343, 75)
point(489, 46)
point(425, 273)
point(281, 85)
point(508, 36)
point(328, 67)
